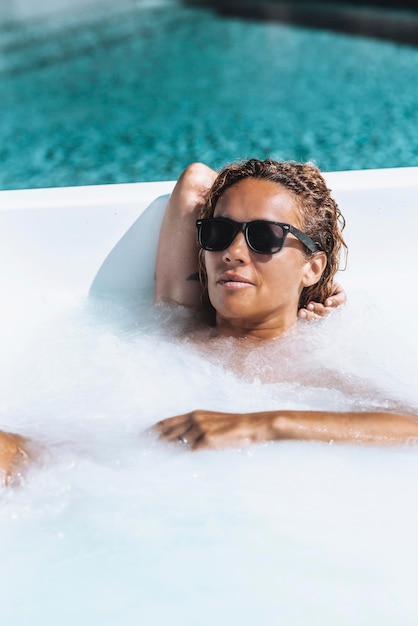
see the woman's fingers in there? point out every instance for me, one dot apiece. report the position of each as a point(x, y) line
point(317, 310)
point(175, 429)
point(314, 311)
point(337, 297)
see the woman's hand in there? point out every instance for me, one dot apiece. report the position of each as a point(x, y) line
point(316, 310)
point(210, 429)
point(15, 455)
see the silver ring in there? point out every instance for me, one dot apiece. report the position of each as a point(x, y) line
point(182, 439)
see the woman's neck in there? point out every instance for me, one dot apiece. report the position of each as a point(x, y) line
point(241, 329)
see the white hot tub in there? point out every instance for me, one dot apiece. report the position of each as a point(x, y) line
point(115, 528)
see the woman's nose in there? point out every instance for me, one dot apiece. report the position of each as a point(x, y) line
point(237, 251)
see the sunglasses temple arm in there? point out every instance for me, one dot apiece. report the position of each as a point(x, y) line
point(305, 239)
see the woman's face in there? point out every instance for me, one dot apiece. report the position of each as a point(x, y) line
point(257, 294)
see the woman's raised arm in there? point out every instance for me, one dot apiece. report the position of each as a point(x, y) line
point(176, 270)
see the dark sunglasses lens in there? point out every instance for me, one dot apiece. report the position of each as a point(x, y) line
point(265, 238)
point(216, 235)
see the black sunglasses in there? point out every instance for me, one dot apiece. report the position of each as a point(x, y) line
point(217, 233)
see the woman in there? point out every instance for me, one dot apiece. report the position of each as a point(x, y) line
point(177, 266)
point(270, 239)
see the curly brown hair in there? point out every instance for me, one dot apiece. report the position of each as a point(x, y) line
point(321, 218)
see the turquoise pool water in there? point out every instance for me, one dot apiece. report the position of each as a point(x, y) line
point(137, 92)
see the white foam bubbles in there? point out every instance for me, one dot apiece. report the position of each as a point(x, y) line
point(114, 527)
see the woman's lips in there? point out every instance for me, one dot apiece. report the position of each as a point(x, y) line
point(234, 281)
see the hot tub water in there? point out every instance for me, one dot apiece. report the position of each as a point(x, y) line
point(114, 527)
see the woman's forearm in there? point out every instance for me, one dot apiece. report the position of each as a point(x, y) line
point(364, 427)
